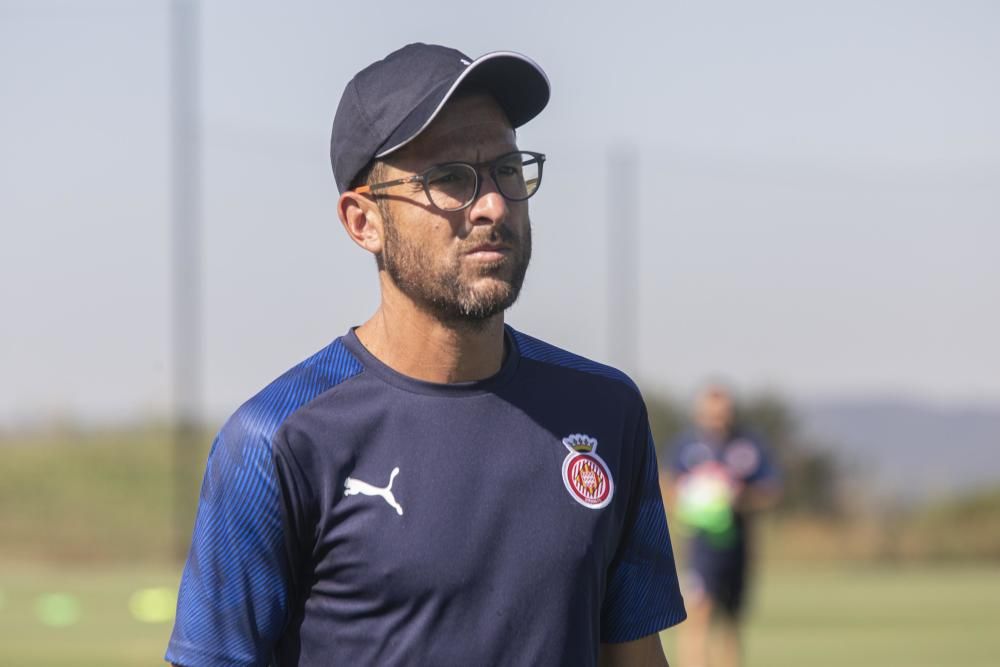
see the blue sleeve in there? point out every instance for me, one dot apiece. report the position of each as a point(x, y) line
point(767, 471)
point(676, 453)
point(233, 596)
point(643, 594)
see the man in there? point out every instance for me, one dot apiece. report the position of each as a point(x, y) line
point(722, 474)
point(434, 487)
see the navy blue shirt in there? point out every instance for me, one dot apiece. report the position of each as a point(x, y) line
point(353, 515)
point(747, 461)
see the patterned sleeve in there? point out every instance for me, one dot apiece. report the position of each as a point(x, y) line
point(643, 595)
point(233, 596)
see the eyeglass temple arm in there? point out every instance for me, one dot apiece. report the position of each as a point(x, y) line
point(367, 189)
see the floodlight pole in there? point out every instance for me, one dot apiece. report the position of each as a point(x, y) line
point(623, 257)
point(186, 264)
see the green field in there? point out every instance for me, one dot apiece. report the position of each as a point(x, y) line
point(889, 617)
point(76, 508)
point(942, 616)
point(106, 633)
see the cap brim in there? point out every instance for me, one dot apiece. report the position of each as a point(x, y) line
point(517, 83)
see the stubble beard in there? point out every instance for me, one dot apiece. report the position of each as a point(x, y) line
point(444, 291)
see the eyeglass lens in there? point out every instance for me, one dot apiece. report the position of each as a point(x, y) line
point(453, 186)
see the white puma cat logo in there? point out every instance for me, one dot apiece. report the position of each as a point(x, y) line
point(353, 487)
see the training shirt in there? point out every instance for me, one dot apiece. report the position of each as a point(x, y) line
point(746, 460)
point(353, 515)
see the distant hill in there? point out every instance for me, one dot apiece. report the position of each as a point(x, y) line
point(910, 451)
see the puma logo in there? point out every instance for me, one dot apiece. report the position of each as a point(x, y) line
point(353, 487)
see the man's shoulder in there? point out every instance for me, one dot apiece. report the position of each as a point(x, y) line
point(743, 436)
point(687, 448)
point(556, 357)
point(686, 437)
point(264, 413)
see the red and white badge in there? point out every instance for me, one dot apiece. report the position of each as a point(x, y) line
point(585, 474)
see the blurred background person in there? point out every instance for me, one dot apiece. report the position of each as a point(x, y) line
point(721, 475)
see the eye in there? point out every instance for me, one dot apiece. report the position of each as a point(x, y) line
point(443, 177)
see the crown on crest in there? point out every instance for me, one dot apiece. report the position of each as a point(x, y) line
point(578, 442)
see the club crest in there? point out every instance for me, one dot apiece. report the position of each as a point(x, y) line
point(585, 474)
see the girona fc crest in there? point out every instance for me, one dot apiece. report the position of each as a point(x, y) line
point(585, 474)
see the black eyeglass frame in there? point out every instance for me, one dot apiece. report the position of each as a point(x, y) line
point(492, 164)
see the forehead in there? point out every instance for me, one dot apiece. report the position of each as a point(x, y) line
point(715, 399)
point(470, 128)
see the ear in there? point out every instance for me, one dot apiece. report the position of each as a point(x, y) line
point(362, 220)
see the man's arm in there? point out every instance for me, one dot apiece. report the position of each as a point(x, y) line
point(232, 602)
point(764, 488)
point(644, 652)
point(642, 596)
point(759, 496)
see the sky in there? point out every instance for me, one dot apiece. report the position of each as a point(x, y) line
point(817, 194)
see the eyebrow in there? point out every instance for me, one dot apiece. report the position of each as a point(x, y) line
point(454, 142)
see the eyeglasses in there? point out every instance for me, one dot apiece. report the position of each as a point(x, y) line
point(455, 185)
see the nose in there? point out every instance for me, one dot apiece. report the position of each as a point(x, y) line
point(489, 207)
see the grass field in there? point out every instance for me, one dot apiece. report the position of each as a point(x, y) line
point(81, 502)
point(106, 633)
point(885, 617)
point(943, 616)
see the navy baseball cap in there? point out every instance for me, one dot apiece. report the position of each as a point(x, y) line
point(390, 102)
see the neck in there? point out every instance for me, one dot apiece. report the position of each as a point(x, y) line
point(716, 436)
point(412, 341)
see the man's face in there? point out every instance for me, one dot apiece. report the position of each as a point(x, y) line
point(468, 265)
point(714, 411)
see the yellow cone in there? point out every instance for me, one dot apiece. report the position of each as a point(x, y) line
point(153, 605)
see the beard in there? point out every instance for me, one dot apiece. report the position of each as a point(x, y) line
point(453, 293)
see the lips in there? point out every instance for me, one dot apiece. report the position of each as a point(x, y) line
point(489, 255)
point(500, 248)
point(495, 246)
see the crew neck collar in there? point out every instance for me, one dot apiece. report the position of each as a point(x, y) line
point(373, 365)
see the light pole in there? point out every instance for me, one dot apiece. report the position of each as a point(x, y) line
point(623, 257)
point(186, 262)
